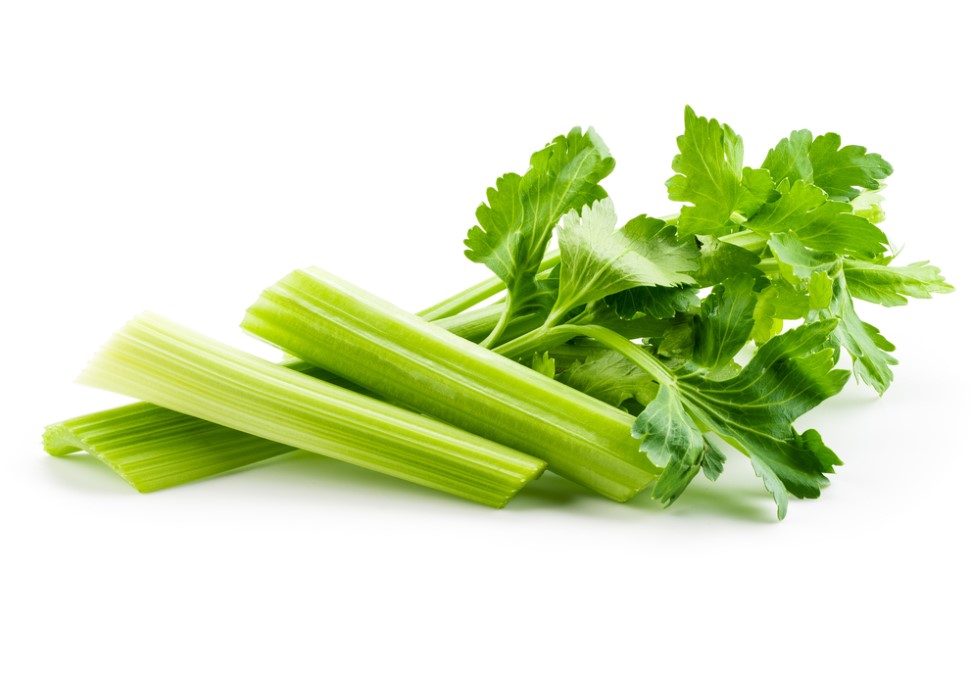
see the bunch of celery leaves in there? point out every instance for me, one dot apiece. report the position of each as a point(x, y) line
point(632, 356)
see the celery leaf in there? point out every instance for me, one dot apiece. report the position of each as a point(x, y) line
point(869, 350)
point(517, 220)
point(840, 172)
point(720, 260)
point(818, 222)
point(893, 285)
point(609, 377)
point(753, 411)
point(725, 323)
point(598, 260)
point(711, 177)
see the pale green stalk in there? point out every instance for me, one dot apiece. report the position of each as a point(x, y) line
point(153, 448)
point(342, 328)
point(159, 361)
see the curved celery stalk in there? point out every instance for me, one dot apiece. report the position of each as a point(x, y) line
point(164, 363)
point(153, 448)
point(333, 324)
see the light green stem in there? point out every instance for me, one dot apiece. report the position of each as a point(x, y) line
point(481, 291)
point(161, 362)
point(153, 448)
point(342, 328)
point(501, 325)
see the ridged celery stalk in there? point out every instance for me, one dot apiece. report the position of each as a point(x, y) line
point(340, 327)
point(162, 362)
point(153, 448)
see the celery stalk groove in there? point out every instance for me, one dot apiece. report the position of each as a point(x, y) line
point(153, 448)
point(332, 323)
point(164, 363)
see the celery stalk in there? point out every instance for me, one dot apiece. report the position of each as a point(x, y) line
point(153, 448)
point(331, 323)
point(164, 363)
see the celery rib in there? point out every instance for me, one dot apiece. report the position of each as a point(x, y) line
point(139, 444)
point(161, 362)
point(153, 448)
point(333, 324)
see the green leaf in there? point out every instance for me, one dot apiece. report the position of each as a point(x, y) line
point(779, 300)
point(677, 343)
point(798, 263)
point(869, 350)
point(757, 189)
point(821, 290)
point(710, 176)
point(791, 374)
point(597, 260)
point(819, 223)
point(788, 301)
point(790, 158)
point(607, 376)
point(516, 222)
point(753, 411)
point(893, 285)
point(766, 324)
point(840, 172)
point(656, 302)
point(714, 460)
point(672, 440)
point(725, 323)
point(868, 205)
point(719, 261)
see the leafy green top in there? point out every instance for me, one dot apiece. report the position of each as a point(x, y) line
point(840, 172)
point(795, 240)
point(516, 222)
point(597, 260)
point(712, 178)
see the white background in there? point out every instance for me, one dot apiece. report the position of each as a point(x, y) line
point(179, 157)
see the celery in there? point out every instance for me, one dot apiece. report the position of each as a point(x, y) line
point(153, 448)
point(342, 328)
point(797, 239)
point(159, 361)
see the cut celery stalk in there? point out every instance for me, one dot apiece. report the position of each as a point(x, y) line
point(159, 361)
point(127, 442)
point(336, 325)
point(153, 448)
